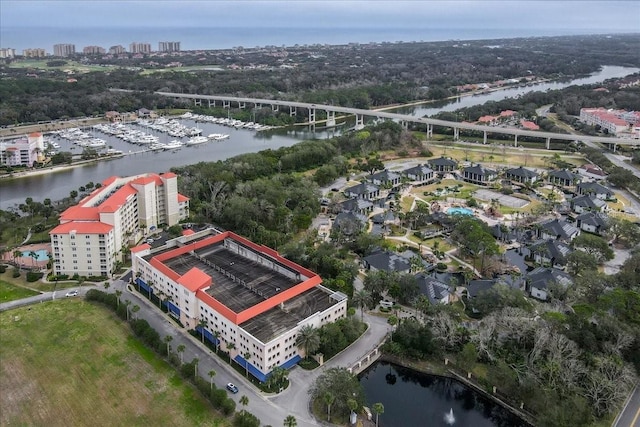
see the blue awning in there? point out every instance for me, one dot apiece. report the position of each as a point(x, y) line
point(172, 308)
point(291, 362)
point(252, 369)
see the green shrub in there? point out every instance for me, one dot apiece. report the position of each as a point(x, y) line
point(16, 273)
point(33, 276)
point(3, 268)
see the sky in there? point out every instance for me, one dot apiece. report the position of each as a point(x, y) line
point(546, 17)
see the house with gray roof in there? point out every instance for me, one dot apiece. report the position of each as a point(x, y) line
point(421, 174)
point(587, 203)
point(557, 229)
point(385, 178)
point(521, 175)
point(437, 291)
point(595, 190)
point(478, 174)
point(592, 222)
point(539, 279)
point(550, 252)
point(386, 261)
point(364, 190)
point(348, 224)
point(563, 177)
point(442, 164)
point(358, 206)
point(503, 233)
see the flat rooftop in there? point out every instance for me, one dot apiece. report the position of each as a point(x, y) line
point(237, 282)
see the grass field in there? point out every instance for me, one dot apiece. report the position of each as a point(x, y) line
point(71, 363)
point(9, 292)
point(21, 282)
point(70, 65)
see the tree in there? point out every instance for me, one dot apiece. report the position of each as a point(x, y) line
point(202, 323)
point(118, 295)
point(135, 309)
point(167, 340)
point(343, 385)
point(247, 356)
point(230, 346)
point(309, 339)
point(290, 421)
point(328, 399)
point(581, 263)
point(127, 303)
point(211, 374)
point(361, 298)
point(33, 255)
point(378, 409)
point(106, 285)
point(216, 336)
point(623, 231)
point(195, 362)
point(180, 349)
point(594, 245)
point(244, 401)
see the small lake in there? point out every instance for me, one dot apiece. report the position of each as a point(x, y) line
point(414, 399)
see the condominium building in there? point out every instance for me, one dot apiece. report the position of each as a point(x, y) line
point(242, 296)
point(169, 46)
point(93, 50)
point(117, 50)
point(23, 151)
point(612, 121)
point(7, 52)
point(140, 47)
point(64, 49)
point(93, 234)
point(34, 53)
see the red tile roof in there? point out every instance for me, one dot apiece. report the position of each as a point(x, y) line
point(169, 175)
point(141, 247)
point(195, 279)
point(486, 119)
point(82, 227)
point(188, 232)
point(35, 134)
point(80, 213)
point(507, 113)
point(529, 125)
point(182, 198)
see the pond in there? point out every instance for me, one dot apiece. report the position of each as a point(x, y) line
point(412, 398)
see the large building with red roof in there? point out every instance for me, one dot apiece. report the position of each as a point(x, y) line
point(614, 122)
point(242, 296)
point(92, 234)
point(23, 151)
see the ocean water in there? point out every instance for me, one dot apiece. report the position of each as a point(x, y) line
point(193, 38)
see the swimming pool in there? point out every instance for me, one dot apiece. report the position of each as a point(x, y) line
point(459, 211)
point(41, 254)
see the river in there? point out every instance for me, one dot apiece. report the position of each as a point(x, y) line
point(414, 399)
point(58, 185)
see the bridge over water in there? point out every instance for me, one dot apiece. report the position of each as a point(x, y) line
point(405, 119)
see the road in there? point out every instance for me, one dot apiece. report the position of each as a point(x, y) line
point(270, 409)
point(630, 415)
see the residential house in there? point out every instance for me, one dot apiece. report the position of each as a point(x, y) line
point(521, 175)
point(442, 165)
point(503, 233)
point(358, 206)
point(592, 171)
point(539, 279)
point(586, 203)
point(557, 229)
point(420, 174)
point(385, 178)
point(478, 174)
point(592, 222)
point(387, 261)
point(550, 252)
point(348, 224)
point(563, 178)
point(435, 290)
point(594, 189)
point(386, 217)
point(477, 286)
point(364, 190)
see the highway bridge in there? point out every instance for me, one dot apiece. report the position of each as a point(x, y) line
point(405, 119)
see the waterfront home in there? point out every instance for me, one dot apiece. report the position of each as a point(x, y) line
point(384, 178)
point(478, 174)
point(437, 291)
point(420, 174)
point(595, 190)
point(563, 178)
point(521, 175)
point(442, 165)
point(592, 222)
point(539, 279)
point(386, 261)
point(364, 190)
point(587, 203)
point(558, 229)
point(550, 252)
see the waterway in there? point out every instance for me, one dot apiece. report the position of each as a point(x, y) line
point(58, 185)
point(415, 399)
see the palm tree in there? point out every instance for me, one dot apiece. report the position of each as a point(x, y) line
point(230, 346)
point(180, 349)
point(211, 374)
point(118, 295)
point(328, 399)
point(244, 401)
point(352, 404)
point(247, 356)
point(150, 286)
point(167, 340)
point(160, 296)
point(216, 335)
point(290, 421)
point(17, 254)
point(127, 303)
point(309, 339)
point(202, 323)
point(33, 256)
point(195, 362)
point(378, 409)
point(106, 286)
point(135, 309)
point(361, 298)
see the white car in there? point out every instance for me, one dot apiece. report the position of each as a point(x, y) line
point(71, 294)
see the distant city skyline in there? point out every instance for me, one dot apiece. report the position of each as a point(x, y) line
point(315, 20)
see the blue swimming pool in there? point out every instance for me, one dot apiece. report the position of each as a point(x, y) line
point(459, 211)
point(41, 254)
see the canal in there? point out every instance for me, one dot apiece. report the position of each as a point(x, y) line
point(58, 185)
point(415, 399)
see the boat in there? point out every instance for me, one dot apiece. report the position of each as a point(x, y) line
point(175, 144)
point(218, 136)
point(197, 140)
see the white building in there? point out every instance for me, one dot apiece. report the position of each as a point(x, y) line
point(92, 234)
point(169, 46)
point(23, 151)
point(7, 52)
point(242, 296)
point(64, 49)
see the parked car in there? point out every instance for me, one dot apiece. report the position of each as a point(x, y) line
point(71, 294)
point(232, 388)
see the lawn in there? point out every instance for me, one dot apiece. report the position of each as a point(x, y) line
point(73, 363)
point(21, 282)
point(9, 292)
point(465, 190)
point(70, 65)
